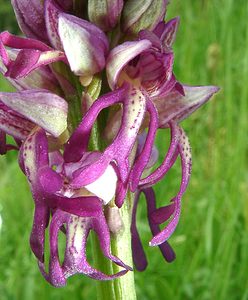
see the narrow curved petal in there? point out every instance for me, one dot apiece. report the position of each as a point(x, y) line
point(75, 150)
point(145, 155)
point(41, 107)
point(177, 107)
point(185, 154)
point(120, 56)
point(34, 152)
point(165, 247)
point(169, 159)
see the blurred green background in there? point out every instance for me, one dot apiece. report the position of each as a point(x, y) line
point(211, 241)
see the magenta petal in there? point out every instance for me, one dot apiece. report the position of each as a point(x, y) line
point(165, 248)
point(162, 214)
point(74, 149)
point(185, 154)
point(144, 157)
point(169, 159)
point(37, 237)
point(75, 261)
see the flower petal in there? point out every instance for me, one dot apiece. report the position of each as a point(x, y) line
point(165, 247)
point(120, 56)
point(33, 54)
point(166, 32)
point(75, 261)
point(185, 154)
point(85, 45)
point(13, 123)
point(30, 17)
point(177, 107)
point(144, 157)
point(41, 107)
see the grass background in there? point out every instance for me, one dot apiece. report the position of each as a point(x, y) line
point(211, 240)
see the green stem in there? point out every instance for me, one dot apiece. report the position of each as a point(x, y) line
point(122, 288)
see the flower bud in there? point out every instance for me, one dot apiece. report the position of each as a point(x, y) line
point(140, 14)
point(105, 13)
point(85, 45)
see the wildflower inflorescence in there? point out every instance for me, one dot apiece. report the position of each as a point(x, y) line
point(93, 88)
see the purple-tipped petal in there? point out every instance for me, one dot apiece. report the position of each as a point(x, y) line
point(30, 17)
point(41, 107)
point(105, 14)
point(85, 45)
point(29, 60)
point(41, 78)
point(177, 107)
point(120, 56)
point(140, 14)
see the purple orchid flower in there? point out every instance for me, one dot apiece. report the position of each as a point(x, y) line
point(147, 64)
point(76, 210)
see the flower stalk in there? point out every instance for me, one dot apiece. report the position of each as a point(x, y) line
point(123, 287)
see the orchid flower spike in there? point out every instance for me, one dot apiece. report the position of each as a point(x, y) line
point(91, 95)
